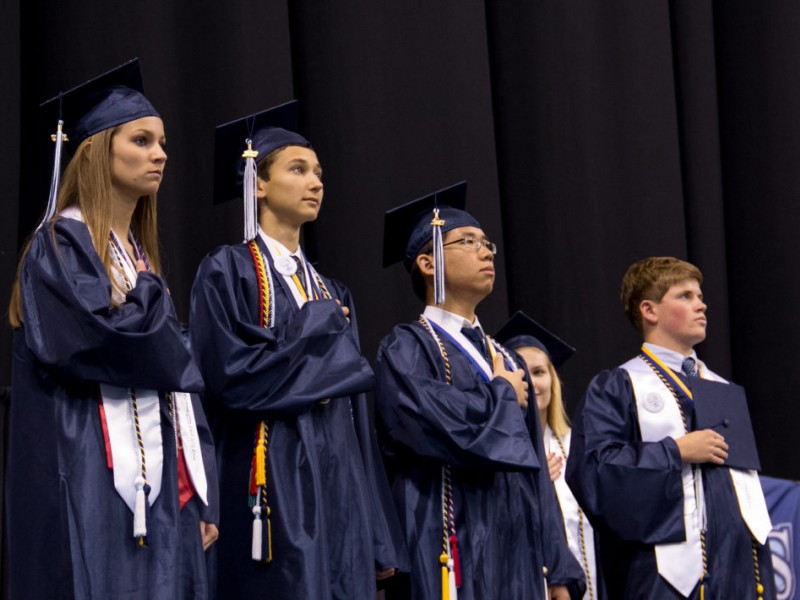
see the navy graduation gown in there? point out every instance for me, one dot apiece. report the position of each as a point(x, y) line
point(333, 521)
point(70, 533)
point(507, 518)
point(632, 493)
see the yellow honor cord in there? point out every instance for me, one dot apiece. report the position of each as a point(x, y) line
point(677, 381)
point(299, 285)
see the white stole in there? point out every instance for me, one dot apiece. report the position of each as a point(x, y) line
point(190, 439)
point(572, 514)
point(680, 563)
point(118, 409)
point(660, 417)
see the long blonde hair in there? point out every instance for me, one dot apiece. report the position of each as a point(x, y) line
point(87, 184)
point(557, 417)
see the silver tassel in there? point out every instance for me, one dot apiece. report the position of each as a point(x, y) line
point(52, 200)
point(249, 195)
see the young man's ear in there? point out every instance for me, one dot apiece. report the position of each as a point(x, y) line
point(425, 264)
point(647, 308)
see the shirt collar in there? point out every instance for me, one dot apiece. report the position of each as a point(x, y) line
point(672, 359)
point(450, 322)
point(278, 249)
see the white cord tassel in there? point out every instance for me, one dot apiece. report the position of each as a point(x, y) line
point(59, 138)
point(256, 548)
point(438, 258)
point(139, 519)
point(249, 196)
point(452, 580)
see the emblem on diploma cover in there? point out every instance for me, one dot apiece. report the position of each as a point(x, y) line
point(285, 265)
point(653, 402)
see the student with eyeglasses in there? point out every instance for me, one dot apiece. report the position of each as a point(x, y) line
point(469, 476)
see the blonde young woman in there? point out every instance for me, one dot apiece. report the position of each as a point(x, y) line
point(111, 480)
point(542, 352)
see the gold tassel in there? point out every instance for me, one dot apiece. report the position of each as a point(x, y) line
point(702, 591)
point(261, 458)
point(445, 577)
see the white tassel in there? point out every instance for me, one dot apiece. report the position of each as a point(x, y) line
point(452, 580)
point(55, 180)
point(438, 259)
point(250, 184)
point(139, 519)
point(256, 548)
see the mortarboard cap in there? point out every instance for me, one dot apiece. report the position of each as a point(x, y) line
point(723, 408)
point(521, 331)
point(108, 100)
point(407, 228)
point(267, 131)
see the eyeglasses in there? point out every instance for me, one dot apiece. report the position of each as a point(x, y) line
point(474, 243)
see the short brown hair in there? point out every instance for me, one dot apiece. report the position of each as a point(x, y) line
point(649, 279)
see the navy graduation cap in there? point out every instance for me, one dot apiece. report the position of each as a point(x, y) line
point(238, 147)
point(108, 100)
point(723, 408)
point(521, 331)
point(407, 228)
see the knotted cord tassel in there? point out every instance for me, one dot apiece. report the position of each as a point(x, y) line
point(438, 258)
point(255, 550)
point(139, 518)
point(250, 184)
point(261, 461)
point(456, 561)
point(52, 200)
point(445, 577)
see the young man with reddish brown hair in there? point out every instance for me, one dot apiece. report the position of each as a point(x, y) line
point(675, 518)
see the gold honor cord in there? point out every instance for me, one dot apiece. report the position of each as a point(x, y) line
point(448, 559)
point(652, 360)
point(258, 499)
point(654, 363)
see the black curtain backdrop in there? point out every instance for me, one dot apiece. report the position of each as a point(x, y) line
point(592, 134)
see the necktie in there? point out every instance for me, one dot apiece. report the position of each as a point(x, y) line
point(689, 367)
point(301, 272)
point(476, 336)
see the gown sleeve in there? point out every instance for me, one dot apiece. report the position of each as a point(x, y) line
point(475, 425)
point(616, 476)
point(273, 372)
point(72, 329)
point(562, 566)
point(388, 539)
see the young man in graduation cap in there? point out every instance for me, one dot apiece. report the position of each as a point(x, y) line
point(304, 497)
point(663, 458)
point(470, 478)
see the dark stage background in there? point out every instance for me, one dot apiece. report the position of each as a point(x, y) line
point(592, 134)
